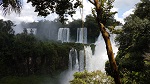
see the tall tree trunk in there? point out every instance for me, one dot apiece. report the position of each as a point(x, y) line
point(110, 54)
point(109, 49)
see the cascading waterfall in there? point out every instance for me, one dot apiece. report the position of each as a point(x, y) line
point(67, 75)
point(90, 62)
point(70, 61)
point(81, 60)
point(73, 60)
point(85, 58)
point(93, 62)
point(97, 61)
point(82, 35)
point(64, 34)
point(88, 54)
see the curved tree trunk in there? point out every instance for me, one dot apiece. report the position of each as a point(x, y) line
point(110, 54)
point(109, 49)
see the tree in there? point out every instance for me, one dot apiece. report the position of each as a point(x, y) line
point(134, 45)
point(73, 27)
point(95, 77)
point(91, 25)
point(6, 42)
point(101, 12)
point(11, 5)
point(143, 9)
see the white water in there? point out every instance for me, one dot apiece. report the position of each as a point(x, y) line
point(88, 58)
point(64, 34)
point(73, 60)
point(67, 75)
point(82, 35)
point(97, 61)
point(93, 62)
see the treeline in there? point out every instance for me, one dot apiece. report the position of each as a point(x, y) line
point(23, 54)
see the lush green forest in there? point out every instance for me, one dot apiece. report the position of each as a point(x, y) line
point(133, 57)
point(23, 54)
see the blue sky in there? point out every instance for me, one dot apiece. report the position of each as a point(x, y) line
point(124, 8)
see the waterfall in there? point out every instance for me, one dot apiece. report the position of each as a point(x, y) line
point(86, 60)
point(82, 35)
point(64, 34)
point(90, 62)
point(73, 59)
point(81, 60)
point(88, 54)
point(70, 61)
point(85, 57)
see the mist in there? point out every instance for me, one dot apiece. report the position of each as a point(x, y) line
point(18, 28)
point(43, 29)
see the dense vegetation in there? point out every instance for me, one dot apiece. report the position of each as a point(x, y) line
point(133, 40)
point(23, 54)
point(95, 77)
point(134, 47)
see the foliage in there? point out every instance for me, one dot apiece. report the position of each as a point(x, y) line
point(95, 77)
point(73, 27)
point(63, 8)
point(92, 28)
point(106, 16)
point(6, 40)
point(11, 5)
point(134, 45)
point(143, 9)
point(23, 54)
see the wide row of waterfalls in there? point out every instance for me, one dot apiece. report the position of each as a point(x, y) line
point(64, 35)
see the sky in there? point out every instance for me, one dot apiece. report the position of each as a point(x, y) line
point(123, 7)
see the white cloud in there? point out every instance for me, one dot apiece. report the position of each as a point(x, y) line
point(124, 15)
point(127, 13)
point(114, 9)
point(119, 19)
point(28, 14)
point(125, 4)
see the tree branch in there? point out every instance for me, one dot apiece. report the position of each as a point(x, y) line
point(91, 2)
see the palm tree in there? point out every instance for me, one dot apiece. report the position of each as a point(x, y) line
point(8, 6)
